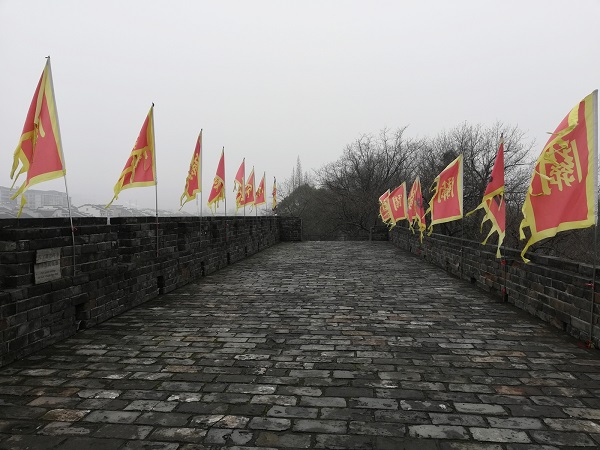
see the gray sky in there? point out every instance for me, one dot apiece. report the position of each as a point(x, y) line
point(271, 80)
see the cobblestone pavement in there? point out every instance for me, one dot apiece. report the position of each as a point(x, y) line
point(310, 345)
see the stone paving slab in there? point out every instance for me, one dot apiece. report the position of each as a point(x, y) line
point(338, 345)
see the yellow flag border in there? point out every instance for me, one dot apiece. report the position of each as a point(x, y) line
point(187, 179)
point(139, 154)
point(47, 89)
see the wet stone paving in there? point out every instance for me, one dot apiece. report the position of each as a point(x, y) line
point(338, 345)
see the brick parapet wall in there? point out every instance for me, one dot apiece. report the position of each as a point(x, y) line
point(555, 290)
point(116, 268)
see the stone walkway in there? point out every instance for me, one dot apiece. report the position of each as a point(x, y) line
point(341, 345)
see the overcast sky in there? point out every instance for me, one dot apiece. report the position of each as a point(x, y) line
point(272, 80)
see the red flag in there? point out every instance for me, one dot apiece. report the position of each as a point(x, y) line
point(140, 168)
point(238, 185)
point(563, 190)
point(274, 194)
point(217, 192)
point(447, 201)
point(397, 201)
point(193, 182)
point(493, 201)
point(260, 192)
point(384, 207)
point(416, 211)
point(249, 193)
point(39, 151)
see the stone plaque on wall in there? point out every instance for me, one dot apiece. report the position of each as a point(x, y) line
point(47, 254)
point(47, 265)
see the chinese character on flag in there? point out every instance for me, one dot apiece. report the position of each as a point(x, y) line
point(140, 168)
point(217, 192)
point(193, 182)
point(238, 186)
point(397, 202)
point(384, 207)
point(260, 193)
point(446, 204)
point(249, 193)
point(562, 194)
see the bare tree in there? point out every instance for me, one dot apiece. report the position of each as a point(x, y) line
point(368, 167)
point(479, 146)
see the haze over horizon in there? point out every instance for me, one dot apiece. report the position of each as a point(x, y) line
point(271, 81)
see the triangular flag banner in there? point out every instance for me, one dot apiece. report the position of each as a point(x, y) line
point(140, 168)
point(562, 194)
point(238, 186)
point(260, 198)
point(39, 151)
point(249, 189)
point(493, 201)
point(193, 182)
point(447, 202)
point(397, 202)
point(217, 192)
point(384, 207)
point(416, 210)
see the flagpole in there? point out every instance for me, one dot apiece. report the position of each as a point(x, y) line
point(503, 262)
point(200, 179)
point(593, 286)
point(64, 164)
point(224, 190)
point(155, 178)
point(595, 108)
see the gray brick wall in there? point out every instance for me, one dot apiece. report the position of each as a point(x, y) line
point(555, 290)
point(116, 268)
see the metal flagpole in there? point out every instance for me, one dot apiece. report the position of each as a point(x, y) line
point(462, 241)
point(593, 302)
point(200, 179)
point(504, 269)
point(595, 107)
point(224, 190)
point(155, 177)
point(63, 163)
point(462, 249)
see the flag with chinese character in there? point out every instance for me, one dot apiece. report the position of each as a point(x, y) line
point(562, 194)
point(249, 195)
point(260, 198)
point(217, 192)
point(193, 182)
point(39, 152)
point(416, 210)
point(397, 201)
point(447, 201)
point(384, 207)
point(238, 186)
point(493, 201)
point(140, 168)
point(274, 194)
